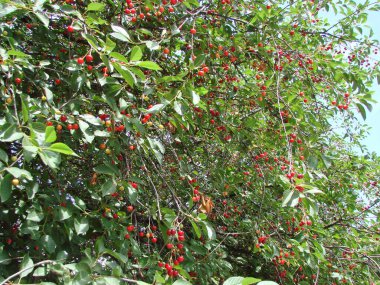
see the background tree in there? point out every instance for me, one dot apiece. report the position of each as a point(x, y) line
point(187, 142)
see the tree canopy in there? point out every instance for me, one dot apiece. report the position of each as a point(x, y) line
point(187, 142)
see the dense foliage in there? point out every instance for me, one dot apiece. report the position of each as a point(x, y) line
point(187, 142)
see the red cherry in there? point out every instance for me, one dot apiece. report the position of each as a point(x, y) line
point(89, 58)
point(201, 73)
point(193, 31)
point(80, 60)
point(18, 80)
point(89, 67)
point(63, 118)
point(154, 240)
point(180, 258)
point(141, 234)
point(127, 236)
point(130, 209)
point(70, 29)
point(130, 228)
point(160, 264)
point(154, 228)
point(166, 51)
point(57, 81)
point(169, 246)
point(268, 7)
point(180, 246)
point(75, 126)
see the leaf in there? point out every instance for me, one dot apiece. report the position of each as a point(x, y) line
point(362, 111)
point(26, 262)
point(233, 281)
point(119, 56)
point(107, 169)
point(3, 156)
point(63, 214)
point(120, 33)
point(31, 191)
point(132, 194)
point(149, 65)
point(84, 127)
point(250, 280)
point(6, 187)
point(43, 19)
point(62, 148)
point(127, 75)
point(267, 283)
point(91, 119)
point(110, 45)
point(142, 283)
point(25, 109)
point(209, 230)
point(50, 134)
point(155, 109)
point(152, 45)
point(48, 243)
point(196, 229)
point(290, 198)
point(178, 107)
point(136, 53)
point(81, 226)
point(96, 7)
point(6, 9)
point(313, 191)
point(181, 282)
point(196, 98)
point(35, 216)
point(51, 159)
point(108, 187)
point(199, 60)
point(17, 172)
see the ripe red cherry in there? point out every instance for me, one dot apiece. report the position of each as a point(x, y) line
point(154, 228)
point(205, 69)
point(18, 80)
point(80, 60)
point(89, 67)
point(70, 29)
point(130, 209)
point(154, 240)
point(180, 246)
point(173, 2)
point(89, 58)
point(166, 51)
point(57, 81)
point(180, 258)
point(169, 246)
point(160, 264)
point(181, 233)
point(130, 228)
point(201, 73)
point(193, 31)
point(268, 7)
point(63, 118)
point(127, 236)
point(75, 126)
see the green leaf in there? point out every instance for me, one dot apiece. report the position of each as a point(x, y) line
point(26, 266)
point(62, 148)
point(178, 107)
point(43, 19)
point(290, 198)
point(119, 57)
point(48, 243)
point(107, 169)
point(127, 75)
point(362, 111)
point(96, 7)
point(199, 60)
point(209, 230)
point(25, 109)
point(196, 229)
point(108, 187)
point(142, 283)
point(155, 109)
point(181, 282)
point(250, 280)
point(50, 134)
point(17, 172)
point(267, 283)
point(6, 8)
point(63, 213)
point(6, 187)
point(152, 45)
point(120, 33)
point(233, 281)
point(149, 65)
point(3, 156)
point(31, 191)
point(81, 226)
point(85, 128)
point(110, 45)
point(136, 53)
point(196, 98)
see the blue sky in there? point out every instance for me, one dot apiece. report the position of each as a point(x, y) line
point(373, 118)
